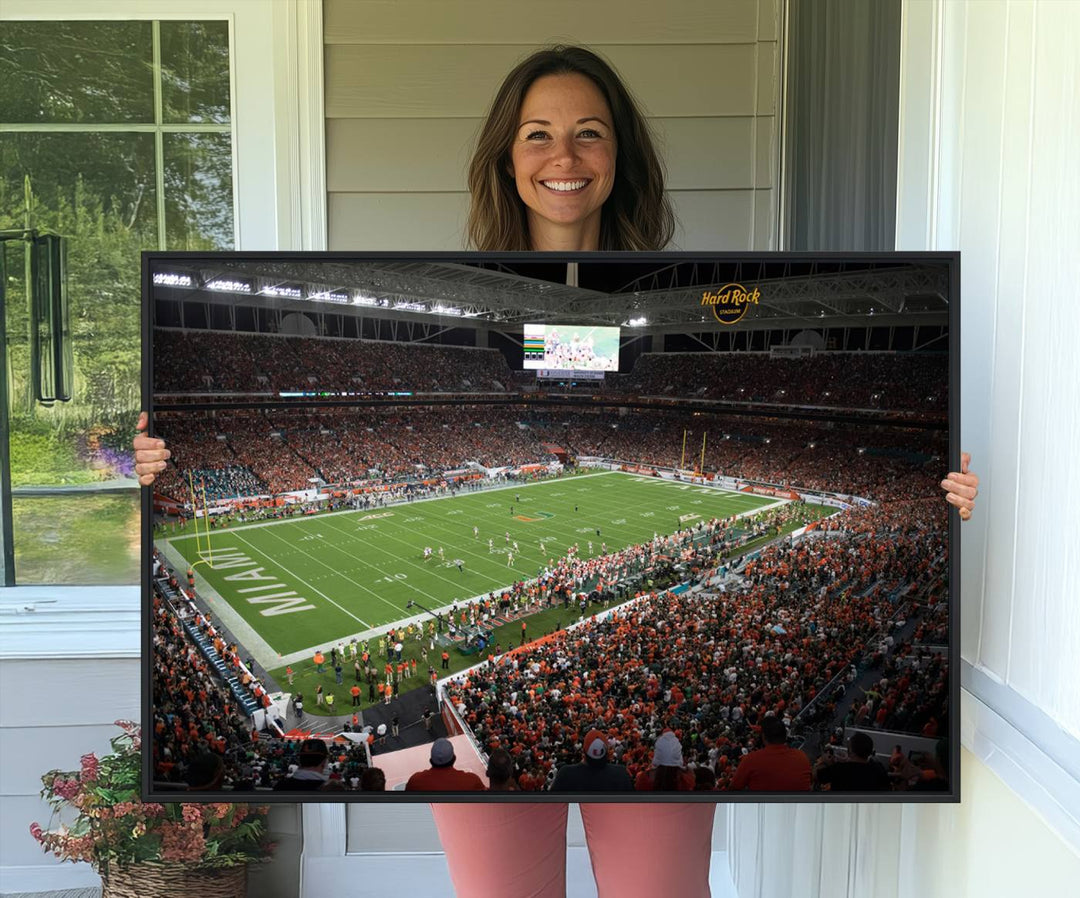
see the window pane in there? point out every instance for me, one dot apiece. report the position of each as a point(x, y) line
point(81, 183)
point(78, 540)
point(195, 72)
point(76, 72)
point(98, 191)
point(198, 192)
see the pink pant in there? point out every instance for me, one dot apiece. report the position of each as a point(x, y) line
point(519, 850)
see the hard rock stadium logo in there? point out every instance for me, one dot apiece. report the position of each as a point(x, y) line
point(730, 302)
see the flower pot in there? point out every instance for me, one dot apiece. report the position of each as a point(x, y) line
point(173, 881)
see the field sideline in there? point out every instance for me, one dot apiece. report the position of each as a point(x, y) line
point(311, 581)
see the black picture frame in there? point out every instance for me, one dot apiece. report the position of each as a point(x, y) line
point(152, 261)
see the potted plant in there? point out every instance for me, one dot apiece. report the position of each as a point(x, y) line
point(164, 850)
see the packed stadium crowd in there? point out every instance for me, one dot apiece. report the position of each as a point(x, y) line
point(218, 362)
point(912, 697)
point(580, 579)
point(221, 362)
point(284, 450)
point(896, 381)
point(710, 667)
point(195, 715)
point(254, 452)
point(194, 712)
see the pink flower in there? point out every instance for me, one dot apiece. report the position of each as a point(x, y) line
point(133, 730)
point(192, 813)
point(65, 788)
point(181, 842)
point(37, 832)
point(89, 768)
point(220, 810)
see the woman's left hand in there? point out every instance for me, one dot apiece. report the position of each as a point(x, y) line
point(962, 487)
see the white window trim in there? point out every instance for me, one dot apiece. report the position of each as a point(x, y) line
point(280, 202)
point(70, 622)
point(278, 122)
point(1035, 757)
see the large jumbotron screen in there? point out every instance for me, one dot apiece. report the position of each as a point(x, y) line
point(389, 562)
point(568, 348)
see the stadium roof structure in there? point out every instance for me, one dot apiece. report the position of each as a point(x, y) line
point(655, 296)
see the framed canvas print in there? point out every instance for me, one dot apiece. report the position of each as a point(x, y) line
point(604, 527)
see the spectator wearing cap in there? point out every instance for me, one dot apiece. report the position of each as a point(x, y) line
point(311, 774)
point(668, 773)
point(595, 773)
point(776, 767)
point(442, 776)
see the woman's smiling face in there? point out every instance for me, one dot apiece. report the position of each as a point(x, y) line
point(563, 161)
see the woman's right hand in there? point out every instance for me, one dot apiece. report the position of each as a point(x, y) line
point(150, 453)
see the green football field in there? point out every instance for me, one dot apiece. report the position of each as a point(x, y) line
point(307, 582)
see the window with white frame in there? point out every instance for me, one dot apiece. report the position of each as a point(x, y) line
point(116, 135)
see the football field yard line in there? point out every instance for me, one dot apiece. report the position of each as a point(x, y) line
point(527, 553)
point(483, 558)
point(492, 581)
point(418, 565)
point(353, 547)
point(291, 573)
point(484, 493)
point(421, 566)
point(625, 535)
point(338, 573)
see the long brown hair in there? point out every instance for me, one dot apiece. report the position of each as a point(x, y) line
point(637, 214)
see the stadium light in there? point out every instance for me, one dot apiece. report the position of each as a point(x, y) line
point(224, 285)
point(278, 290)
point(637, 322)
point(337, 296)
point(168, 279)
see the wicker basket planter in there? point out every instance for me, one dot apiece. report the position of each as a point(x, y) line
point(150, 880)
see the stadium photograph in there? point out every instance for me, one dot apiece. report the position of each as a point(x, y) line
point(615, 525)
